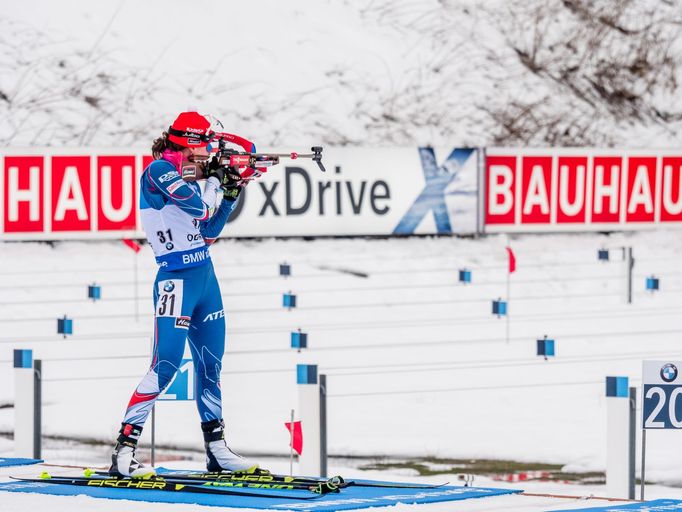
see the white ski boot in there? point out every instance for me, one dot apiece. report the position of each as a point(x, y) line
point(219, 457)
point(123, 461)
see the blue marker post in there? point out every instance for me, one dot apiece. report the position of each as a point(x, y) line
point(545, 348)
point(26, 409)
point(603, 255)
point(620, 466)
point(94, 292)
point(652, 284)
point(499, 308)
point(464, 276)
point(289, 300)
point(312, 425)
point(299, 340)
point(284, 269)
point(64, 326)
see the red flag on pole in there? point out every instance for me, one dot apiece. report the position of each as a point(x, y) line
point(132, 244)
point(296, 436)
point(512, 260)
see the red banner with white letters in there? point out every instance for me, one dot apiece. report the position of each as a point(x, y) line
point(78, 195)
point(572, 189)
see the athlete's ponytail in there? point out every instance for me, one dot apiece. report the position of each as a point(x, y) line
point(161, 144)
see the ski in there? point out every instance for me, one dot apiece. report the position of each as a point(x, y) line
point(260, 478)
point(332, 484)
point(319, 486)
point(390, 485)
point(159, 484)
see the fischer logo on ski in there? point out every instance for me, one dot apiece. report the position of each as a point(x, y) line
point(120, 483)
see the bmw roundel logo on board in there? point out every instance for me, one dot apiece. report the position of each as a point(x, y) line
point(170, 286)
point(669, 372)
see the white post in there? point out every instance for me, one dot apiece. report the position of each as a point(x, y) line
point(617, 437)
point(309, 413)
point(24, 407)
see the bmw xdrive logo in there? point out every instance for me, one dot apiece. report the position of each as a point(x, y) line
point(669, 372)
point(170, 286)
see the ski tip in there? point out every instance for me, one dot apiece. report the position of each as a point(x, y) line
point(324, 488)
point(45, 475)
point(87, 472)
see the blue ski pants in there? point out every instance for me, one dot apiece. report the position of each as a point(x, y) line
point(187, 306)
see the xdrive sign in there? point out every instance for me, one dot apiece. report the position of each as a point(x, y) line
point(365, 192)
point(299, 194)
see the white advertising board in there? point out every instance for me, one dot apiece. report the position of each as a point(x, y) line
point(54, 194)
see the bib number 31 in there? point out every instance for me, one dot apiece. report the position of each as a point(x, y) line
point(169, 303)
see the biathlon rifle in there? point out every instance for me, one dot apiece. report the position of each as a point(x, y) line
point(250, 164)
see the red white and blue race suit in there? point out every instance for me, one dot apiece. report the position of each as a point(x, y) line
point(180, 223)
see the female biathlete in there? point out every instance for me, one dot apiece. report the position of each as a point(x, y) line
point(180, 223)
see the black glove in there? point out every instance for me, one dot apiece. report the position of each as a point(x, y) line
point(215, 170)
point(231, 184)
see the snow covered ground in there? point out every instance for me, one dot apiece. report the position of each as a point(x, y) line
point(416, 364)
point(537, 497)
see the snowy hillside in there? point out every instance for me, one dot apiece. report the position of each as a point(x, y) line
point(374, 72)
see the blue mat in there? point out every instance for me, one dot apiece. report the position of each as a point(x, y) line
point(348, 499)
point(18, 462)
point(647, 506)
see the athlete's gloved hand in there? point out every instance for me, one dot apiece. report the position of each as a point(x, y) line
point(232, 184)
point(215, 170)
